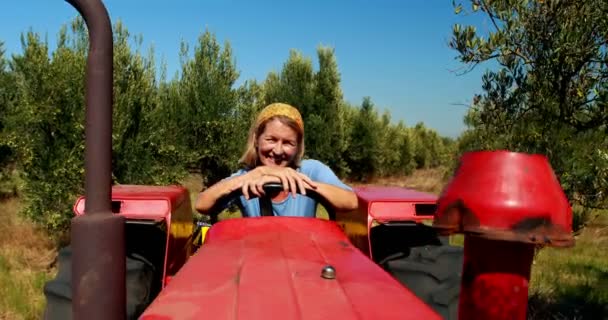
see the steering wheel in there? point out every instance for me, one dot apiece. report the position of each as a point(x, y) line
point(270, 189)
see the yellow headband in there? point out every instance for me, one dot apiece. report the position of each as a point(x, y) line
point(280, 109)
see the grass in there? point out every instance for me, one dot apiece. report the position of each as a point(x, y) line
point(426, 180)
point(25, 256)
point(9, 181)
point(572, 283)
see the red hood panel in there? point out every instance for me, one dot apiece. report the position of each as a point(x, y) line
point(143, 202)
point(373, 193)
point(270, 268)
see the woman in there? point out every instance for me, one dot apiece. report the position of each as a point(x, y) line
point(274, 151)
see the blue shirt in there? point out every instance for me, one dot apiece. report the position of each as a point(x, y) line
point(300, 206)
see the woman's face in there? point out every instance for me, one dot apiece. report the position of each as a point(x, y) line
point(277, 145)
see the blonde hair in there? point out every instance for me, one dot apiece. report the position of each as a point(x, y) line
point(287, 115)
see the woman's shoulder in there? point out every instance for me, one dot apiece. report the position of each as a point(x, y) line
point(314, 167)
point(319, 171)
point(312, 164)
point(239, 172)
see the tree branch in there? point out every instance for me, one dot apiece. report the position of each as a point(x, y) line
point(490, 14)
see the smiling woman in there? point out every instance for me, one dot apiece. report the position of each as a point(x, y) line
point(274, 152)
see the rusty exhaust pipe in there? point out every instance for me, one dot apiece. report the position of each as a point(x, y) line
point(98, 240)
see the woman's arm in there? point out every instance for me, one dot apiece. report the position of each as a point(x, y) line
point(335, 191)
point(323, 180)
point(208, 198)
point(252, 183)
point(341, 199)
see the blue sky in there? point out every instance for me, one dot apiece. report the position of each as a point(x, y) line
point(396, 51)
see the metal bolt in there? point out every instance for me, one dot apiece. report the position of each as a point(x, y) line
point(328, 272)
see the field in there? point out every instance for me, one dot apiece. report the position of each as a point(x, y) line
point(573, 283)
point(26, 257)
point(566, 283)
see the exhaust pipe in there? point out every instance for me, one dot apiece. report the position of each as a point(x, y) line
point(98, 270)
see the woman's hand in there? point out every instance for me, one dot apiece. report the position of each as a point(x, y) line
point(288, 177)
point(256, 185)
point(253, 183)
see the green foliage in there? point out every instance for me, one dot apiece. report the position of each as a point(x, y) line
point(206, 109)
point(405, 149)
point(45, 129)
point(294, 85)
point(318, 96)
point(46, 125)
point(363, 154)
point(135, 97)
point(197, 121)
point(430, 150)
point(325, 133)
point(7, 98)
point(548, 94)
point(354, 141)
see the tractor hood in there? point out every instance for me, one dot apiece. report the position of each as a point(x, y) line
point(271, 268)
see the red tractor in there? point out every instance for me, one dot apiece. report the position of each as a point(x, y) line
point(137, 252)
point(162, 243)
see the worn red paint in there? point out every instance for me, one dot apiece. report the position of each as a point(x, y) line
point(143, 202)
point(495, 279)
point(506, 195)
point(504, 202)
point(385, 193)
point(270, 268)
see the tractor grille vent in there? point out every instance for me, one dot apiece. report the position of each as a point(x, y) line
point(425, 209)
